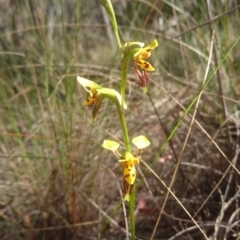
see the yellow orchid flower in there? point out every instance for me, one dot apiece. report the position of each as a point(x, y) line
point(128, 164)
point(91, 87)
point(139, 56)
point(143, 53)
point(97, 93)
point(128, 161)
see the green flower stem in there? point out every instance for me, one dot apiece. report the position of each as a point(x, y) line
point(131, 211)
point(126, 141)
point(124, 127)
point(110, 11)
point(128, 148)
point(123, 78)
point(108, 6)
point(118, 38)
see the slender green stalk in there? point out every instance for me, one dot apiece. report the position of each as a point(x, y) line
point(127, 143)
point(108, 7)
point(131, 211)
point(123, 79)
point(124, 127)
point(128, 148)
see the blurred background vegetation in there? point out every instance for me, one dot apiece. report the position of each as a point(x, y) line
point(56, 181)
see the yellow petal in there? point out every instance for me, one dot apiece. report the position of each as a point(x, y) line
point(140, 44)
point(145, 65)
point(141, 142)
point(112, 93)
point(151, 46)
point(89, 101)
point(143, 54)
point(89, 85)
point(146, 49)
point(129, 172)
point(111, 145)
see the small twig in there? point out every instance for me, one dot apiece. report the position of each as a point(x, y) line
point(225, 206)
point(185, 142)
point(214, 189)
point(200, 126)
point(199, 166)
point(79, 192)
point(222, 100)
point(165, 130)
point(235, 160)
point(124, 212)
point(144, 180)
point(212, 141)
point(234, 215)
point(123, 204)
point(191, 229)
point(108, 27)
point(180, 45)
point(208, 21)
point(175, 197)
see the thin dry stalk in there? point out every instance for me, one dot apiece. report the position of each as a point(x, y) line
point(184, 144)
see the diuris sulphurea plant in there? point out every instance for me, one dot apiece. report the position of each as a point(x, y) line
point(133, 52)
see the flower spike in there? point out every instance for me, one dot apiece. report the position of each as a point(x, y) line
point(97, 93)
point(128, 161)
point(139, 55)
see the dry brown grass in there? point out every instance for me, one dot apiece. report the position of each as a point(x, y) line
point(56, 181)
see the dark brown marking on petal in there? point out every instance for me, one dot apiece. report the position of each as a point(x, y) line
point(88, 88)
point(146, 65)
